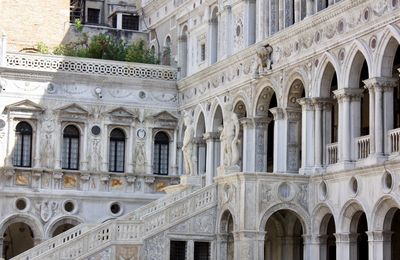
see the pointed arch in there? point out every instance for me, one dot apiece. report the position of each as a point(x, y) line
point(325, 71)
point(358, 53)
point(386, 52)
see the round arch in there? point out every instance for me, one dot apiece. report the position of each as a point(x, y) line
point(347, 213)
point(382, 210)
point(31, 221)
point(296, 76)
point(319, 218)
point(297, 210)
point(58, 222)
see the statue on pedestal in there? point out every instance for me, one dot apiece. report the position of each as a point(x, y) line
point(187, 146)
point(230, 136)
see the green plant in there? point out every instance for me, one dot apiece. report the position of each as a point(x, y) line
point(78, 25)
point(42, 48)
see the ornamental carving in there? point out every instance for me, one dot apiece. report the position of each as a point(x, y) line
point(46, 209)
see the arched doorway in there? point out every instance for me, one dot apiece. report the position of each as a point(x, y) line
point(283, 238)
point(328, 241)
point(62, 226)
point(358, 229)
point(200, 145)
point(330, 116)
point(293, 117)
point(227, 245)
point(217, 126)
point(391, 233)
point(18, 237)
point(265, 137)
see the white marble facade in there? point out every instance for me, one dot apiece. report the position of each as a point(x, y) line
point(310, 89)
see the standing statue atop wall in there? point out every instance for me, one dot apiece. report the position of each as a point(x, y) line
point(187, 146)
point(264, 59)
point(230, 136)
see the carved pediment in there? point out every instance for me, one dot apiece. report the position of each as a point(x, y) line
point(165, 116)
point(24, 106)
point(73, 109)
point(121, 112)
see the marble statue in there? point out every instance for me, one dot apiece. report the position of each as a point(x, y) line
point(264, 59)
point(187, 146)
point(230, 136)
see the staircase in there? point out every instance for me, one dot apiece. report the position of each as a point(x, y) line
point(85, 240)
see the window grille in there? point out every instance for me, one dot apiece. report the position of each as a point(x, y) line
point(116, 162)
point(70, 157)
point(161, 154)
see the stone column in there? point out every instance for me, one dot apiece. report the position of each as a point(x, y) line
point(307, 160)
point(190, 250)
point(84, 158)
point(173, 145)
point(250, 22)
point(35, 144)
point(349, 127)
point(221, 249)
point(279, 137)
point(308, 243)
point(248, 153)
point(317, 246)
point(230, 29)
point(57, 144)
point(261, 143)
point(130, 150)
point(293, 137)
point(210, 138)
point(309, 8)
point(371, 91)
point(346, 246)
point(180, 158)
point(212, 41)
point(382, 121)
point(183, 57)
point(320, 105)
point(379, 245)
point(246, 246)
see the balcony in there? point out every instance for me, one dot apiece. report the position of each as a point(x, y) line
point(332, 153)
point(363, 147)
point(394, 141)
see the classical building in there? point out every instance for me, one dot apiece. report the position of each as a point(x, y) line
point(273, 126)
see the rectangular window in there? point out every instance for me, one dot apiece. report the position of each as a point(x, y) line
point(201, 251)
point(93, 16)
point(130, 22)
point(178, 250)
point(203, 52)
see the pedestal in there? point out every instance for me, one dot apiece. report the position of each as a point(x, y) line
point(226, 170)
point(187, 182)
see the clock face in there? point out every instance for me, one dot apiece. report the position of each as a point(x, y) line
point(141, 133)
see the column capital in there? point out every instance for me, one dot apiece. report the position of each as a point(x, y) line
point(381, 83)
point(262, 121)
point(321, 103)
point(246, 122)
point(379, 235)
point(277, 112)
point(346, 94)
point(293, 113)
point(211, 136)
point(306, 103)
point(346, 237)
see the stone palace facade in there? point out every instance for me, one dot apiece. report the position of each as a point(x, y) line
point(272, 125)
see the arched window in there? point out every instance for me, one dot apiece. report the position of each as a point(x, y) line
point(23, 146)
point(161, 153)
point(116, 160)
point(70, 158)
point(167, 51)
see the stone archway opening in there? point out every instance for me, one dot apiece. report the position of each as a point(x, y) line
point(391, 234)
point(17, 238)
point(358, 236)
point(62, 228)
point(227, 250)
point(328, 239)
point(284, 237)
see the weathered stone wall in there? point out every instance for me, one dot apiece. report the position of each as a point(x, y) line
point(29, 22)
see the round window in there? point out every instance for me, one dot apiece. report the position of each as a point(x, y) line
point(354, 185)
point(96, 130)
point(115, 208)
point(20, 204)
point(69, 206)
point(238, 30)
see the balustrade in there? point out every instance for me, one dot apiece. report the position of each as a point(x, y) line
point(89, 66)
point(332, 153)
point(363, 146)
point(394, 140)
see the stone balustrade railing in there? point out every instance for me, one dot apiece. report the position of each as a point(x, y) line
point(363, 146)
point(332, 153)
point(394, 140)
point(57, 241)
point(53, 63)
point(172, 210)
